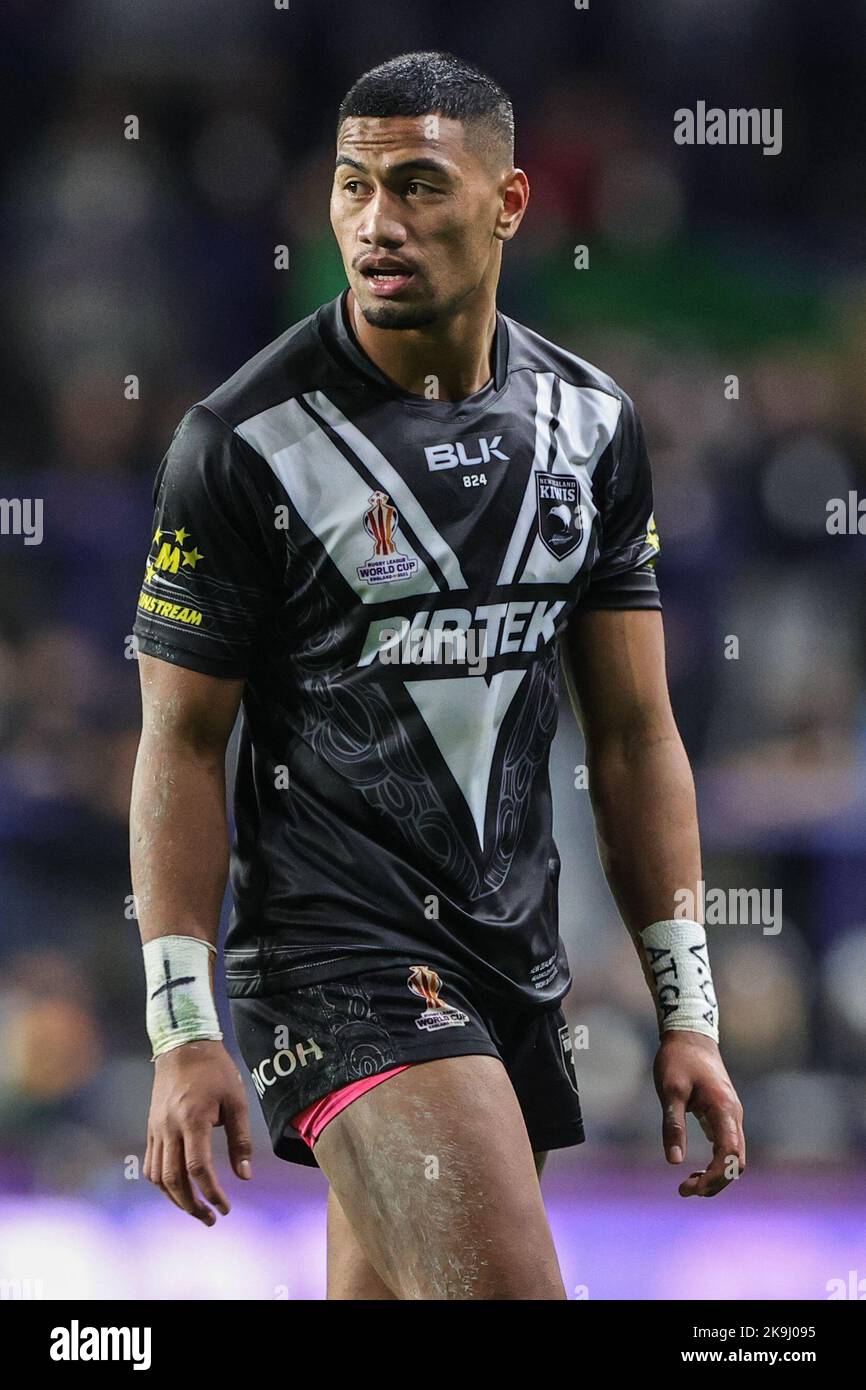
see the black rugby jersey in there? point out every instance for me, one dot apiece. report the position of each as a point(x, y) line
point(390, 575)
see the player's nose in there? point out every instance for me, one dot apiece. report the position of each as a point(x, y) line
point(380, 224)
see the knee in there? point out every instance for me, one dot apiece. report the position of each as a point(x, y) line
point(508, 1274)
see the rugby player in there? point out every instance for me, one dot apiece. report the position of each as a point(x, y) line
point(379, 540)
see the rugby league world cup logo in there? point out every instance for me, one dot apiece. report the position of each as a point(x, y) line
point(427, 985)
point(386, 564)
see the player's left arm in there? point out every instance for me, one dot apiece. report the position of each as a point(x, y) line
point(643, 798)
point(644, 801)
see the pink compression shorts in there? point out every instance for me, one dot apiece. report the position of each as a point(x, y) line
point(310, 1122)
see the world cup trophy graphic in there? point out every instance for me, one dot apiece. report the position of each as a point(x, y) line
point(386, 565)
point(425, 982)
point(380, 522)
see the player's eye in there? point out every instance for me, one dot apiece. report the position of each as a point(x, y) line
point(415, 186)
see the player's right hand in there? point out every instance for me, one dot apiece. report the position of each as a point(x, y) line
point(195, 1088)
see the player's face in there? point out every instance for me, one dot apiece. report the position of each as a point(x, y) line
point(415, 211)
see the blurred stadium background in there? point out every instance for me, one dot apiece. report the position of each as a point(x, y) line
point(156, 257)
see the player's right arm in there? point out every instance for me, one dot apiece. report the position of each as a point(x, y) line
point(213, 581)
point(179, 858)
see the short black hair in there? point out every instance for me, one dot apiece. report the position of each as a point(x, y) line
point(421, 84)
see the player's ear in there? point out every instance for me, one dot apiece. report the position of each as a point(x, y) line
point(514, 194)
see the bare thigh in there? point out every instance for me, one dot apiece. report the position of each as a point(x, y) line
point(351, 1277)
point(435, 1192)
point(350, 1274)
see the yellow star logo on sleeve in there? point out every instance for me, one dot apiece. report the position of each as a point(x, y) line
point(181, 535)
point(158, 537)
point(192, 557)
point(148, 574)
point(652, 535)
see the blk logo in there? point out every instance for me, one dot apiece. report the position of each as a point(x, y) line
point(449, 455)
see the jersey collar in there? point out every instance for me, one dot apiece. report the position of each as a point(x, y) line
point(335, 328)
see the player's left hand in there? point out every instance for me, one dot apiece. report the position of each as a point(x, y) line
point(691, 1078)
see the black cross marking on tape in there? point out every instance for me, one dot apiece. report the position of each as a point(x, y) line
point(169, 985)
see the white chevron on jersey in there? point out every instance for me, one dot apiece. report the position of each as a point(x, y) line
point(389, 481)
point(329, 495)
point(528, 507)
point(465, 715)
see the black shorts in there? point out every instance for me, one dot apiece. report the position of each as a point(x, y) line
point(304, 1043)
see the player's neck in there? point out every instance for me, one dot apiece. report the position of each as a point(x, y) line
point(445, 362)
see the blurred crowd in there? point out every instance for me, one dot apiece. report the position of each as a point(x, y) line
point(725, 291)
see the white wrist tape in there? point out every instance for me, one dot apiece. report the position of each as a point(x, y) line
point(678, 970)
point(180, 1005)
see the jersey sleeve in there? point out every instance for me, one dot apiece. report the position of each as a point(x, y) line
point(212, 572)
point(623, 575)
